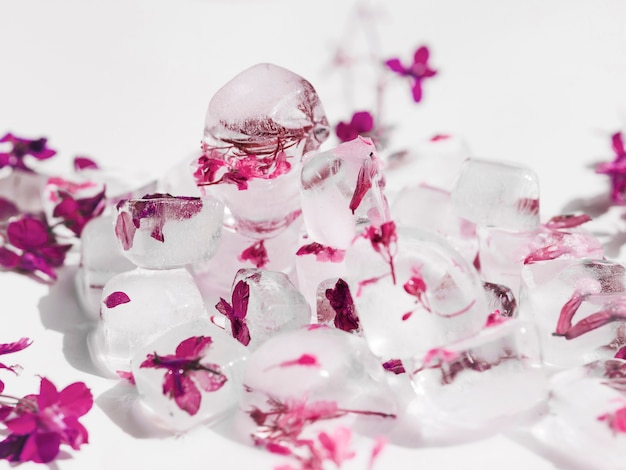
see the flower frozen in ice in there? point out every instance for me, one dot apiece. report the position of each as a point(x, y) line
point(39, 424)
point(256, 254)
point(76, 212)
point(418, 71)
point(186, 371)
point(236, 312)
point(20, 148)
point(342, 303)
point(616, 170)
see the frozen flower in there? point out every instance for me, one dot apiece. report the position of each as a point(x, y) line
point(417, 72)
point(236, 312)
point(39, 424)
point(616, 170)
point(75, 212)
point(186, 371)
point(256, 254)
point(342, 303)
point(20, 148)
point(361, 123)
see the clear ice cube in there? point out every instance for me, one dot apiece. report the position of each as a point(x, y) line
point(497, 194)
point(162, 231)
point(138, 306)
point(210, 375)
point(579, 307)
point(413, 291)
point(342, 189)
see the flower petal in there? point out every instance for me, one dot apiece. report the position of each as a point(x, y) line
point(192, 348)
point(22, 425)
point(207, 380)
point(395, 65)
point(48, 394)
point(28, 233)
point(421, 55)
point(75, 399)
point(416, 89)
point(14, 347)
point(47, 446)
point(116, 298)
point(183, 391)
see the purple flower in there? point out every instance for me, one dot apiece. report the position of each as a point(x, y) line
point(256, 254)
point(361, 123)
point(342, 303)
point(22, 147)
point(9, 348)
point(418, 71)
point(236, 313)
point(185, 373)
point(39, 424)
point(32, 248)
point(616, 170)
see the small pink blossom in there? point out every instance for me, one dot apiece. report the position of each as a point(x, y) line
point(361, 124)
point(256, 254)
point(187, 372)
point(39, 424)
point(417, 72)
point(616, 170)
point(21, 148)
point(236, 312)
point(383, 240)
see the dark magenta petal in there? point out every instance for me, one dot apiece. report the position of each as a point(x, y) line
point(395, 65)
point(22, 425)
point(11, 447)
point(345, 132)
point(421, 55)
point(592, 322)
point(84, 163)
point(240, 298)
point(617, 142)
point(47, 446)
point(48, 394)
point(183, 391)
point(67, 208)
point(116, 298)
point(16, 346)
point(75, 434)
point(224, 308)
point(567, 313)
point(363, 184)
point(8, 258)
point(362, 121)
point(75, 400)
point(416, 90)
point(193, 347)
point(342, 303)
point(395, 366)
point(322, 253)
point(28, 233)
point(256, 254)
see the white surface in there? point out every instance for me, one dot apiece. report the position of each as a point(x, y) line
point(127, 82)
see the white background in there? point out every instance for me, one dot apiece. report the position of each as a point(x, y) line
point(539, 82)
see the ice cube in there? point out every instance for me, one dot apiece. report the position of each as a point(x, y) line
point(162, 231)
point(100, 260)
point(579, 307)
point(500, 298)
point(497, 194)
point(190, 375)
point(413, 291)
point(457, 383)
point(335, 306)
point(263, 303)
point(138, 306)
point(342, 189)
point(585, 427)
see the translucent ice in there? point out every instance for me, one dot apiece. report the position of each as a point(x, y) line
point(263, 303)
point(137, 307)
point(457, 383)
point(586, 426)
point(497, 195)
point(579, 307)
point(342, 189)
point(160, 230)
point(190, 375)
point(257, 128)
point(335, 306)
point(100, 260)
point(413, 291)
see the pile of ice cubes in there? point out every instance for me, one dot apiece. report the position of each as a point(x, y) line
point(448, 311)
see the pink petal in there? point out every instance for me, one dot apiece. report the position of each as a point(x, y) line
point(421, 55)
point(48, 394)
point(306, 360)
point(47, 446)
point(395, 65)
point(345, 132)
point(207, 380)
point(183, 391)
point(22, 425)
point(240, 298)
point(125, 230)
point(362, 121)
point(617, 142)
point(8, 258)
point(256, 254)
point(75, 433)
point(75, 399)
point(416, 89)
point(194, 347)
point(127, 375)
point(8, 348)
point(83, 163)
point(363, 184)
point(28, 233)
point(116, 298)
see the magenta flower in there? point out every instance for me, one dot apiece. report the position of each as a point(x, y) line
point(32, 248)
point(185, 373)
point(361, 124)
point(237, 311)
point(322, 253)
point(616, 170)
point(21, 148)
point(9, 348)
point(256, 254)
point(75, 212)
point(417, 72)
point(383, 240)
point(39, 424)
point(616, 420)
point(342, 303)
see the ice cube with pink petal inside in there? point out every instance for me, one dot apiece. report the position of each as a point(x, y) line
point(586, 426)
point(137, 307)
point(496, 194)
point(190, 375)
point(100, 260)
point(258, 126)
point(316, 369)
point(342, 191)
point(163, 231)
point(579, 307)
point(459, 382)
point(335, 306)
point(263, 303)
point(413, 291)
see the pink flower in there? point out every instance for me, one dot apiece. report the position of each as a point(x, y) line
point(32, 248)
point(361, 123)
point(22, 147)
point(185, 372)
point(383, 240)
point(616, 170)
point(237, 311)
point(256, 254)
point(39, 424)
point(76, 212)
point(9, 348)
point(418, 71)
point(336, 446)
